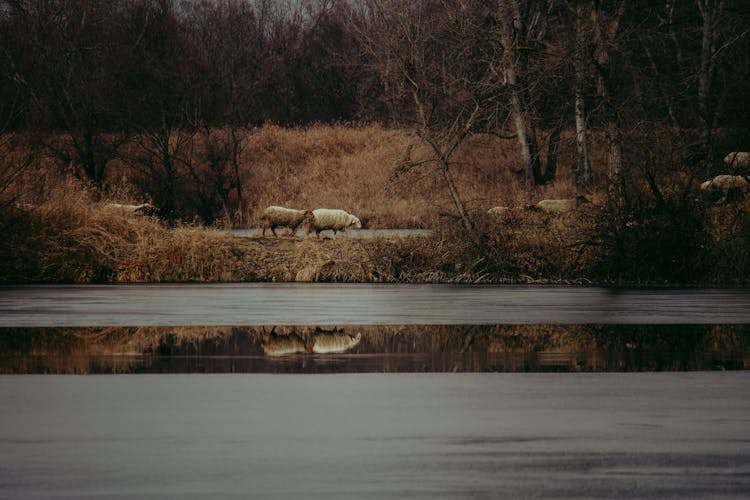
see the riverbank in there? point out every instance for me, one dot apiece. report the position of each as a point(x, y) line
point(57, 229)
point(107, 248)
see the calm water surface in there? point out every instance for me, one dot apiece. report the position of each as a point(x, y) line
point(362, 304)
point(680, 428)
point(648, 435)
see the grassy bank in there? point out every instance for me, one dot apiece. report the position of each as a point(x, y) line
point(59, 230)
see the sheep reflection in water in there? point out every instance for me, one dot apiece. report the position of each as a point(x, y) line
point(318, 342)
point(335, 342)
point(280, 345)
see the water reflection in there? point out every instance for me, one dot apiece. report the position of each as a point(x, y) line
point(508, 348)
point(301, 340)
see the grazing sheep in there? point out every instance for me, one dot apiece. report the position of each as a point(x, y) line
point(142, 209)
point(275, 216)
point(726, 188)
point(496, 211)
point(562, 206)
point(337, 220)
point(738, 159)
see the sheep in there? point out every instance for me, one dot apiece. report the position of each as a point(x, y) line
point(738, 159)
point(275, 216)
point(562, 206)
point(142, 209)
point(726, 188)
point(497, 211)
point(337, 220)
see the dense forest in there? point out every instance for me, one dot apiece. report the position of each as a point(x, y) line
point(169, 94)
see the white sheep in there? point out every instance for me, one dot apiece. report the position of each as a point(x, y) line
point(726, 187)
point(142, 209)
point(275, 216)
point(738, 159)
point(337, 220)
point(562, 206)
point(497, 211)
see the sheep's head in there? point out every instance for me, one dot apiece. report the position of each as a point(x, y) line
point(146, 209)
point(355, 223)
point(308, 219)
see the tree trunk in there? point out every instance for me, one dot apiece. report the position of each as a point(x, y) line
point(604, 35)
point(551, 168)
point(582, 166)
point(239, 220)
point(710, 11)
point(526, 139)
point(615, 184)
point(468, 225)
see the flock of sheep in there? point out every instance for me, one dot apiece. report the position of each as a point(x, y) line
point(319, 219)
point(724, 188)
point(550, 206)
point(728, 188)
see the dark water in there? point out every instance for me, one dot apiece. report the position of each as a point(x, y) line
point(584, 435)
point(372, 349)
point(363, 304)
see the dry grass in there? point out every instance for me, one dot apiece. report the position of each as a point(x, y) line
point(58, 231)
point(70, 237)
point(356, 168)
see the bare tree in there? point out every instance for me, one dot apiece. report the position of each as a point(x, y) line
point(66, 68)
point(521, 28)
point(605, 22)
point(582, 165)
point(425, 49)
point(17, 153)
point(167, 99)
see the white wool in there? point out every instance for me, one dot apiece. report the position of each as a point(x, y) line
point(143, 208)
point(498, 210)
point(725, 182)
point(561, 206)
point(738, 159)
point(276, 216)
point(335, 219)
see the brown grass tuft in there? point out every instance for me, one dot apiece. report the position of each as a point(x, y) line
point(338, 260)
